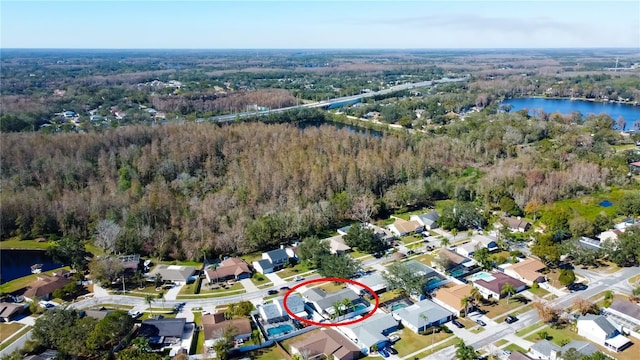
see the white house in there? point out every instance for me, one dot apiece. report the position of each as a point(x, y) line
point(374, 280)
point(600, 330)
point(324, 302)
point(477, 242)
point(373, 330)
point(428, 220)
point(403, 227)
point(273, 260)
point(422, 315)
point(337, 245)
point(468, 249)
point(491, 288)
point(275, 312)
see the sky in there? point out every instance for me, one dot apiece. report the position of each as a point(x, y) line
point(302, 24)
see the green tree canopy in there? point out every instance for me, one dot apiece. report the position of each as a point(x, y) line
point(364, 239)
point(311, 250)
point(567, 276)
point(341, 265)
point(407, 280)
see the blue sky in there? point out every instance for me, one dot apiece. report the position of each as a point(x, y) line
point(323, 24)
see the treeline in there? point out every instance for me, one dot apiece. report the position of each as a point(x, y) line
point(178, 189)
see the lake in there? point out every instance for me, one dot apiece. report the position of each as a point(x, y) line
point(629, 113)
point(17, 263)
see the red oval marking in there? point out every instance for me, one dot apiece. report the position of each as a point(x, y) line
point(311, 322)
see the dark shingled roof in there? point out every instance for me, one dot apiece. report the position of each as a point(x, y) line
point(163, 327)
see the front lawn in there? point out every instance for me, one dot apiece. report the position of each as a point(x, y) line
point(199, 348)
point(515, 347)
point(270, 353)
point(299, 268)
point(330, 287)
point(504, 306)
point(556, 335)
point(17, 335)
point(7, 330)
point(411, 342)
point(259, 279)
point(452, 341)
point(540, 292)
point(529, 329)
point(426, 259)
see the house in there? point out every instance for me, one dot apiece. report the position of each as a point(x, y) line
point(45, 285)
point(609, 235)
point(273, 260)
point(371, 331)
point(275, 311)
point(324, 302)
point(130, 262)
point(214, 326)
point(337, 245)
point(516, 224)
point(492, 288)
point(428, 220)
point(448, 260)
point(477, 242)
point(488, 242)
point(8, 311)
point(527, 270)
point(589, 243)
point(163, 332)
point(624, 312)
point(422, 315)
point(326, 344)
point(432, 278)
point(544, 349)
point(385, 235)
point(451, 298)
point(468, 249)
point(229, 269)
point(600, 330)
point(403, 227)
point(373, 280)
point(343, 230)
point(176, 274)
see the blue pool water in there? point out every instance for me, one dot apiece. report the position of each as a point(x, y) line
point(481, 276)
point(281, 329)
point(359, 307)
point(398, 306)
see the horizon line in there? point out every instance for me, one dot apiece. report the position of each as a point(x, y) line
point(328, 48)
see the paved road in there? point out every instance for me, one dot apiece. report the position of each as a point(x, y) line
point(231, 117)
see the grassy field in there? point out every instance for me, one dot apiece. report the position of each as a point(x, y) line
point(260, 280)
point(540, 292)
point(624, 147)
point(514, 347)
point(446, 344)
point(330, 287)
point(528, 329)
point(19, 283)
point(411, 342)
point(206, 289)
point(505, 306)
point(293, 271)
point(500, 342)
point(7, 330)
point(556, 335)
point(197, 319)
point(20, 332)
point(270, 353)
point(15, 243)
point(587, 206)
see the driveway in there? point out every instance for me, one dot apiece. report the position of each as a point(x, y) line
point(275, 279)
point(172, 293)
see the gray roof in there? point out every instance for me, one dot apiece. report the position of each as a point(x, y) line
point(583, 347)
point(419, 268)
point(545, 347)
point(264, 263)
point(326, 300)
point(373, 280)
point(278, 254)
point(270, 311)
point(163, 327)
point(602, 322)
point(426, 308)
point(429, 218)
point(173, 272)
point(97, 314)
point(626, 307)
point(370, 331)
point(294, 302)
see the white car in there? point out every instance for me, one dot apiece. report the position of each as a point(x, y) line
point(394, 338)
point(298, 278)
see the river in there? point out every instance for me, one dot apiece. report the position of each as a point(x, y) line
point(630, 113)
point(17, 263)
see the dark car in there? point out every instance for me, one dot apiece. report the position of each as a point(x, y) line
point(284, 288)
point(457, 324)
point(576, 287)
point(384, 353)
point(272, 292)
point(511, 319)
point(481, 323)
point(392, 350)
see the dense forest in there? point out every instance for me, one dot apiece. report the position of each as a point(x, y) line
point(176, 190)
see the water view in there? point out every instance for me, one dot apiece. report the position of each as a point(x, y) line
point(630, 113)
point(17, 263)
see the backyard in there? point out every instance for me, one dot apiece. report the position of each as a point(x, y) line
point(20, 283)
point(503, 306)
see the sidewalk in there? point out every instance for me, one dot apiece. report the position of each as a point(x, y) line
point(249, 286)
point(99, 291)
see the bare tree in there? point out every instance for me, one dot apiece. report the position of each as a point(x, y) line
point(107, 233)
point(363, 208)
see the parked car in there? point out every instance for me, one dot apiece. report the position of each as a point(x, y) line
point(394, 338)
point(298, 278)
point(391, 350)
point(511, 319)
point(457, 324)
point(135, 314)
point(272, 292)
point(285, 288)
point(576, 287)
point(481, 323)
point(384, 353)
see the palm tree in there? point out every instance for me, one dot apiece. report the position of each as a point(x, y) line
point(475, 295)
point(149, 299)
point(445, 241)
point(161, 297)
point(336, 309)
point(507, 289)
point(346, 303)
point(424, 318)
point(454, 232)
point(465, 303)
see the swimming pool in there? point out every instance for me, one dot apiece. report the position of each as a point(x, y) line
point(280, 329)
point(483, 275)
point(399, 306)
